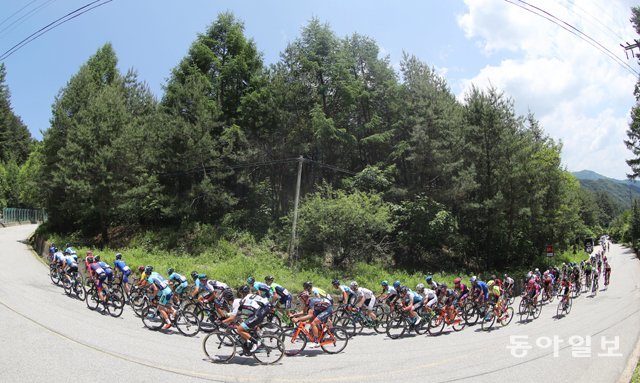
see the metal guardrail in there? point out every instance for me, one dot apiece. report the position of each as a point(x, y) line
point(11, 215)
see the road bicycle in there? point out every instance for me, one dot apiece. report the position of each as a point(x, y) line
point(74, 284)
point(112, 304)
point(528, 309)
point(55, 274)
point(220, 346)
point(332, 339)
point(576, 289)
point(503, 315)
point(185, 321)
point(400, 323)
point(446, 316)
point(354, 320)
point(564, 306)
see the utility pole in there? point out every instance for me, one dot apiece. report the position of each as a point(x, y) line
point(630, 47)
point(292, 245)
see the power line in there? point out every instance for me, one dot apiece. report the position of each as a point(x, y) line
point(16, 12)
point(68, 17)
point(22, 18)
point(575, 31)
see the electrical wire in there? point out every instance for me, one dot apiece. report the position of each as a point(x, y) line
point(66, 18)
point(16, 12)
point(24, 17)
point(573, 30)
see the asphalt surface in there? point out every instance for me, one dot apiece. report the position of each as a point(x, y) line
point(47, 336)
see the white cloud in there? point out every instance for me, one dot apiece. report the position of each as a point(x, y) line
point(580, 95)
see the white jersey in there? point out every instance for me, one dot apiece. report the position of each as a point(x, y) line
point(363, 292)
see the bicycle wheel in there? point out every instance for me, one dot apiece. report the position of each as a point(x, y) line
point(470, 313)
point(506, 316)
point(219, 347)
point(381, 319)
point(187, 323)
point(270, 328)
point(537, 311)
point(55, 277)
point(92, 299)
point(293, 341)
point(207, 319)
point(334, 340)
point(67, 285)
point(270, 351)
point(422, 327)
point(115, 306)
point(436, 325)
point(458, 323)
point(560, 309)
point(348, 324)
point(151, 318)
point(137, 301)
point(273, 318)
point(396, 326)
point(567, 308)
point(79, 290)
point(489, 319)
point(522, 307)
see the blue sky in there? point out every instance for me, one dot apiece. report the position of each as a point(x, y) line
point(580, 96)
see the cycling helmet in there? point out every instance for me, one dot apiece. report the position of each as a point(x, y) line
point(227, 294)
point(307, 285)
point(428, 278)
point(538, 270)
point(396, 284)
point(493, 277)
point(420, 287)
point(402, 290)
point(473, 279)
point(97, 258)
point(443, 286)
point(148, 270)
point(490, 283)
point(244, 290)
point(140, 268)
point(118, 256)
point(354, 285)
point(335, 282)
point(268, 278)
point(170, 271)
point(456, 281)
point(303, 296)
point(251, 280)
point(202, 276)
point(384, 283)
point(506, 276)
point(90, 259)
point(194, 275)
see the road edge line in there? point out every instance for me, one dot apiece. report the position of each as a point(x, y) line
point(633, 360)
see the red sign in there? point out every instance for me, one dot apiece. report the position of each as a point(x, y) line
point(549, 250)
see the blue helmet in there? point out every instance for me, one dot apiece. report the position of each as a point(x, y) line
point(396, 284)
point(428, 278)
point(384, 283)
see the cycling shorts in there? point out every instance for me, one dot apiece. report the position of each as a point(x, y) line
point(285, 301)
point(72, 268)
point(369, 303)
point(324, 314)
point(256, 318)
point(165, 296)
point(181, 287)
point(125, 274)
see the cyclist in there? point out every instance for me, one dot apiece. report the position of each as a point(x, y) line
point(255, 307)
point(433, 285)
point(389, 293)
point(607, 272)
point(533, 290)
point(509, 283)
point(160, 288)
point(315, 291)
point(588, 268)
point(261, 288)
point(411, 303)
point(599, 266)
point(71, 262)
point(96, 274)
point(429, 297)
point(364, 298)
point(318, 310)
point(178, 283)
point(281, 296)
point(52, 250)
point(594, 280)
point(59, 259)
point(346, 294)
point(198, 286)
point(122, 267)
point(107, 269)
point(480, 290)
point(547, 279)
point(461, 289)
point(566, 288)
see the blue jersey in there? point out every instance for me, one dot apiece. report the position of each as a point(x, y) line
point(158, 280)
point(177, 278)
point(122, 266)
point(104, 266)
point(485, 289)
point(281, 291)
point(263, 289)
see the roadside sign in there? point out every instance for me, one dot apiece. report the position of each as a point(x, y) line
point(549, 250)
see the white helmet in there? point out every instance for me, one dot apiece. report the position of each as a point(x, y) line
point(420, 287)
point(354, 285)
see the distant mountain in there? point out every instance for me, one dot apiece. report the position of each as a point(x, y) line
point(623, 191)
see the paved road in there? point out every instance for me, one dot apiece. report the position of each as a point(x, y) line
point(48, 336)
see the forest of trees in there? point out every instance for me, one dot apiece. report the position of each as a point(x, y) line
point(395, 167)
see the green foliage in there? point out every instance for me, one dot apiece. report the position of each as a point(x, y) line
point(345, 227)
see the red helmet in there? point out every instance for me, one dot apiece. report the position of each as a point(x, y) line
point(456, 281)
point(140, 268)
